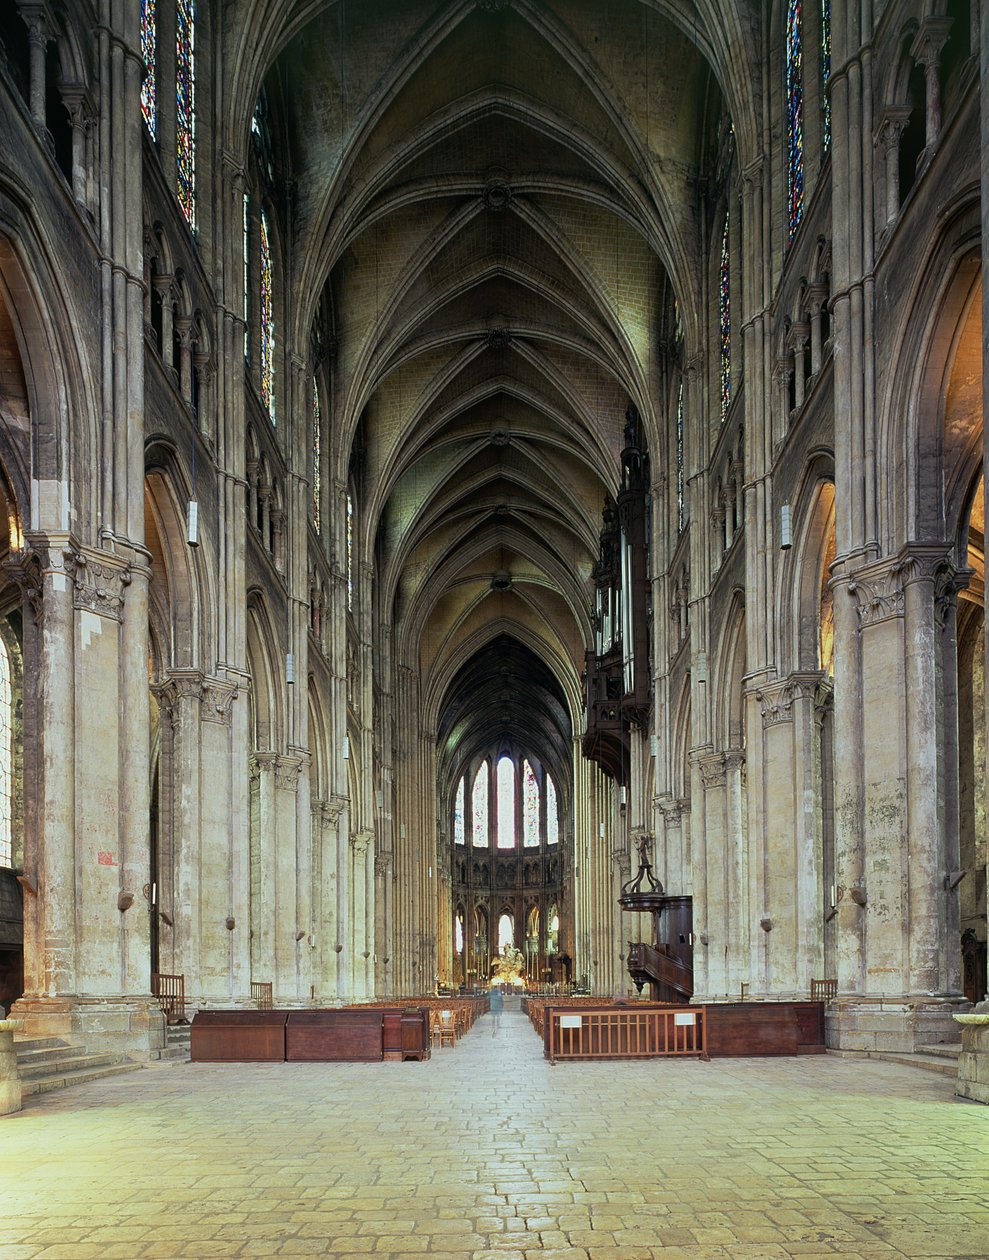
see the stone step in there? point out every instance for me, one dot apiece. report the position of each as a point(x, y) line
point(75, 1059)
point(945, 1049)
point(929, 1062)
point(44, 1084)
point(32, 1058)
point(24, 1044)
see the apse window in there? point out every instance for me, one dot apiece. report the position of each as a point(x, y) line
point(552, 813)
point(479, 806)
point(459, 829)
point(506, 804)
point(531, 815)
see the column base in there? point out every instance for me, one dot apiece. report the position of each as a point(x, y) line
point(131, 1025)
point(900, 1025)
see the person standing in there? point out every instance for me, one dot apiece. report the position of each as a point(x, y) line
point(496, 1004)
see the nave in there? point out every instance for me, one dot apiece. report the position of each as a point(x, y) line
point(486, 1151)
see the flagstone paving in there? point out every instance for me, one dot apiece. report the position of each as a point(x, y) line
point(488, 1152)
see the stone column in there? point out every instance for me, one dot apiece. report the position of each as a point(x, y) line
point(45, 572)
point(926, 51)
point(38, 35)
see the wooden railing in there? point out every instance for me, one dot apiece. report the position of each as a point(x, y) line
point(261, 994)
point(823, 990)
point(170, 992)
point(624, 1032)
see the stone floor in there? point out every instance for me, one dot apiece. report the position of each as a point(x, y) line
point(488, 1152)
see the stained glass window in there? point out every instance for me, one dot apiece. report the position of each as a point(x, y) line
point(724, 319)
point(350, 553)
point(681, 515)
point(794, 118)
point(530, 807)
point(6, 760)
point(825, 73)
point(267, 318)
point(506, 803)
point(149, 50)
point(247, 273)
point(315, 453)
point(552, 813)
point(506, 932)
point(459, 831)
point(458, 935)
point(185, 106)
point(479, 807)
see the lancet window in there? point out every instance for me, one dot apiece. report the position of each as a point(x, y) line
point(350, 553)
point(825, 74)
point(149, 52)
point(459, 829)
point(315, 454)
point(479, 807)
point(267, 321)
point(552, 813)
point(506, 803)
point(185, 106)
point(724, 316)
point(794, 118)
point(530, 807)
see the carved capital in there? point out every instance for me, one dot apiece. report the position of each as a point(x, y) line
point(177, 686)
point(891, 127)
point(332, 809)
point(260, 763)
point(713, 771)
point(26, 570)
point(100, 585)
point(217, 698)
point(287, 771)
point(930, 39)
point(671, 812)
point(360, 841)
point(382, 864)
point(878, 594)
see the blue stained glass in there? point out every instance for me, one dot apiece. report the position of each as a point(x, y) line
point(315, 453)
point(724, 319)
point(185, 106)
point(826, 72)
point(350, 553)
point(680, 477)
point(149, 51)
point(267, 323)
point(794, 118)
